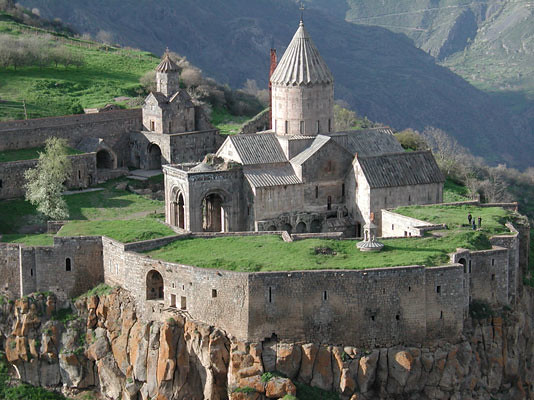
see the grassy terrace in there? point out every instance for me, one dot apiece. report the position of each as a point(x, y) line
point(227, 123)
point(51, 91)
point(28, 154)
point(271, 253)
point(113, 212)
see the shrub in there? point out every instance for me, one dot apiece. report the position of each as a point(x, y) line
point(479, 309)
point(266, 377)
point(244, 389)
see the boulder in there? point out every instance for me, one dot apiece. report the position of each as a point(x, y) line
point(367, 370)
point(288, 357)
point(308, 355)
point(322, 369)
point(278, 387)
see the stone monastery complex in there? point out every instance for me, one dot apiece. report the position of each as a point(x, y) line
point(299, 179)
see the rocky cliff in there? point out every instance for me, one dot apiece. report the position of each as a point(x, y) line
point(102, 345)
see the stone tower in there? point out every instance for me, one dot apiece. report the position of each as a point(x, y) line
point(302, 90)
point(167, 76)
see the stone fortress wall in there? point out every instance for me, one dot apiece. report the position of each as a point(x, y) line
point(70, 267)
point(84, 173)
point(372, 307)
point(369, 307)
point(25, 134)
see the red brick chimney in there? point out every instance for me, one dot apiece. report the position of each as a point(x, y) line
point(273, 67)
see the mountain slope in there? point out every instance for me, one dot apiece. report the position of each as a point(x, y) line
point(381, 74)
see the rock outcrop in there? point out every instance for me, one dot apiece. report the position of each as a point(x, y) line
point(100, 343)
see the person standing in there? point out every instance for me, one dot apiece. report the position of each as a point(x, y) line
point(469, 218)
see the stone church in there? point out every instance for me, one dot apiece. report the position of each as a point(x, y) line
point(300, 176)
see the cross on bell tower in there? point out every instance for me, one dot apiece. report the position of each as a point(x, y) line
point(302, 8)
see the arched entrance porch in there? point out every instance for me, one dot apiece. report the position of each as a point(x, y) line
point(153, 156)
point(104, 159)
point(178, 211)
point(213, 213)
point(154, 286)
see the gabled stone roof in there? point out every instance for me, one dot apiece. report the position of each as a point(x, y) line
point(160, 98)
point(183, 97)
point(302, 64)
point(271, 175)
point(258, 149)
point(401, 169)
point(166, 64)
point(372, 142)
point(317, 144)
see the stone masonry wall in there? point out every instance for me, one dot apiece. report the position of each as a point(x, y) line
point(368, 307)
point(41, 269)
point(512, 243)
point(396, 225)
point(385, 198)
point(9, 267)
point(486, 274)
point(215, 296)
point(33, 133)
point(84, 173)
point(379, 307)
point(446, 300)
point(46, 268)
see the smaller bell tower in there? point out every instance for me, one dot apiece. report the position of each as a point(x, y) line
point(167, 76)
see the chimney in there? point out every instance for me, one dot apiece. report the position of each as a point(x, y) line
point(273, 67)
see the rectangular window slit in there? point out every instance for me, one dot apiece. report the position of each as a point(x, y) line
point(270, 294)
point(325, 296)
point(438, 289)
point(213, 293)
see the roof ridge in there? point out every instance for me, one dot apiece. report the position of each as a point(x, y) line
point(398, 153)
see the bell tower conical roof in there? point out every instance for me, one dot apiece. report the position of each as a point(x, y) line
point(167, 65)
point(302, 64)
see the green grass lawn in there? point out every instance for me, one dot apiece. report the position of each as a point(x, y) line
point(493, 218)
point(108, 204)
point(28, 154)
point(29, 240)
point(454, 192)
point(126, 231)
point(227, 123)
point(255, 253)
point(51, 91)
point(113, 212)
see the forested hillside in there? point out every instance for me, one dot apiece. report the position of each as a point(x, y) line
point(490, 43)
point(379, 73)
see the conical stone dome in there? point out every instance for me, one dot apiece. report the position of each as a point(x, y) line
point(302, 90)
point(167, 65)
point(302, 64)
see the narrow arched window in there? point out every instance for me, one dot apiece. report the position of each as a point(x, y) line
point(68, 266)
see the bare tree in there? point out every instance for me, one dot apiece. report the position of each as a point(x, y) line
point(446, 149)
point(105, 38)
point(344, 119)
point(191, 77)
point(148, 81)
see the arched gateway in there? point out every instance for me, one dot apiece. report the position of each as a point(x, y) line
point(154, 286)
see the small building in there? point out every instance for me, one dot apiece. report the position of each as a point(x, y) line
point(302, 176)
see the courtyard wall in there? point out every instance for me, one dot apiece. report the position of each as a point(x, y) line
point(84, 173)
